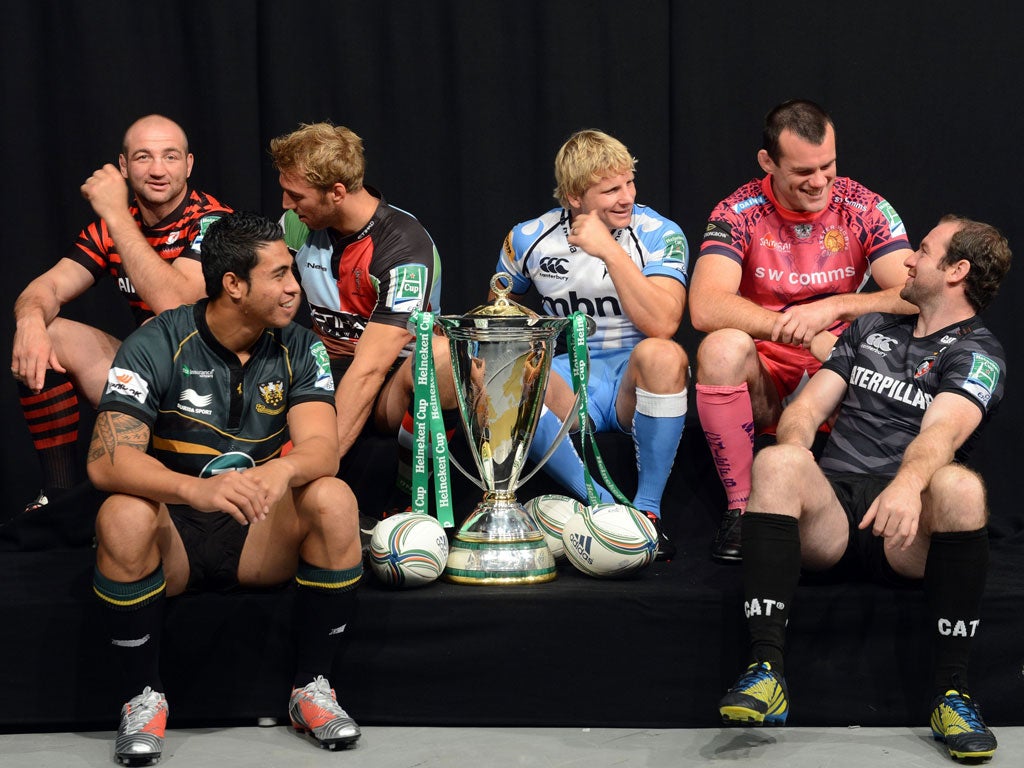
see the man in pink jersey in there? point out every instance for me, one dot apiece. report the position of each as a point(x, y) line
point(780, 273)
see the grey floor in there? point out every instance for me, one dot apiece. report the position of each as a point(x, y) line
point(516, 748)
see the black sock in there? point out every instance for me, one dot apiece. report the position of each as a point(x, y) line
point(325, 607)
point(134, 616)
point(771, 571)
point(954, 580)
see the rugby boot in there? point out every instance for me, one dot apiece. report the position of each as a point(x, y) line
point(140, 737)
point(759, 697)
point(956, 720)
point(728, 545)
point(314, 709)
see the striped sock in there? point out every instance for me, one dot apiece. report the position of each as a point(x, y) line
point(52, 417)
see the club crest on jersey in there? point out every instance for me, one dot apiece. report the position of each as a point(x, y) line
point(924, 366)
point(272, 394)
point(803, 231)
point(834, 240)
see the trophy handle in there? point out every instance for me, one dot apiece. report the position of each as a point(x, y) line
point(558, 439)
point(469, 475)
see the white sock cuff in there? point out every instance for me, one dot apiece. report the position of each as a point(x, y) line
point(664, 406)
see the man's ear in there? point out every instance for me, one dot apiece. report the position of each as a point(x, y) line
point(957, 273)
point(234, 286)
point(766, 162)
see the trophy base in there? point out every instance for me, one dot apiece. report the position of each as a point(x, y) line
point(499, 544)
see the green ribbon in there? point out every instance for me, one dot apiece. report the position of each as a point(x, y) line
point(428, 428)
point(579, 365)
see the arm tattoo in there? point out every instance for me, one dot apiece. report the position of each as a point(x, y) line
point(113, 429)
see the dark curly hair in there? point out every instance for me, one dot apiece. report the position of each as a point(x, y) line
point(987, 251)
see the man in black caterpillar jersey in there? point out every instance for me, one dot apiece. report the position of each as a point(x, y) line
point(890, 497)
point(198, 404)
point(365, 266)
point(147, 237)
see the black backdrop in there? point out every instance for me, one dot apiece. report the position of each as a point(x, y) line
point(463, 103)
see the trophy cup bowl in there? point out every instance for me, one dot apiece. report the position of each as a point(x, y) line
point(501, 359)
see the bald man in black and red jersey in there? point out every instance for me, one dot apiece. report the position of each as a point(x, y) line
point(151, 246)
point(365, 266)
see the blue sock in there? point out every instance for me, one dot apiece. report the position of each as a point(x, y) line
point(565, 464)
point(657, 427)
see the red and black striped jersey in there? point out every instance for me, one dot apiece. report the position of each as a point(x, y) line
point(179, 234)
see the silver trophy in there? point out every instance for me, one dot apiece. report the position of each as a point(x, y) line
point(501, 358)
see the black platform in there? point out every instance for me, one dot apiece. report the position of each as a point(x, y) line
point(654, 651)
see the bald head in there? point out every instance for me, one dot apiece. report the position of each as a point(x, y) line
point(155, 127)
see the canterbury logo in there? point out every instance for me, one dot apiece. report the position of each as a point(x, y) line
point(193, 397)
point(555, 265)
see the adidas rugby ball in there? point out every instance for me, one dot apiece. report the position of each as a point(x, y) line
point(609, 541)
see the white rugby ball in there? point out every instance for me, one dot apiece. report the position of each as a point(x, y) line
point(409, 549)
point(610, 541)
point(551, 512)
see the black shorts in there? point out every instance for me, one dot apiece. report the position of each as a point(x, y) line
point(213, 542)
point(864, 557)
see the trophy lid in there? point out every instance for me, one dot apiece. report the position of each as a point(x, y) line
point(502, 306)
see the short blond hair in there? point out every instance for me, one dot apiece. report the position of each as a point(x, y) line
point(323, 154)
point(587, 157)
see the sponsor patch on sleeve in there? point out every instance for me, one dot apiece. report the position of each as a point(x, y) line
point(983, 377)
point(718, 231)
point(896, 226)
point(324, 380)
point(675, 248)
point(408, 291)
point(127, 383)
point(204, 224)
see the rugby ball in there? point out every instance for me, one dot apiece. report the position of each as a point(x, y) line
point(551, 512)
point(609, 541)
point(409, 549)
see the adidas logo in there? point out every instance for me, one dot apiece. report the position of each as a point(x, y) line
point(581, 545)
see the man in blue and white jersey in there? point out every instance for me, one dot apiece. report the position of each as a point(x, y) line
point(624, 265)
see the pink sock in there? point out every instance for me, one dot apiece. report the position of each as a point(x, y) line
point(728, 422)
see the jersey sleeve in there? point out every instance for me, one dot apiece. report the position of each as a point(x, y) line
point(139, 374)
point(90, 251)
point(879, 225)
point(407, 269)
point(664, 240)
point(311, 368)
point(727, 232)
point(512, 258)
point(197, 231)
point(977, 372)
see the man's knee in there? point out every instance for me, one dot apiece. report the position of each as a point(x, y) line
point(725, 353)
point(660, 360)
point(328, 501)
point(126, 533)
point(956, 500)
